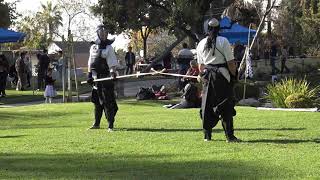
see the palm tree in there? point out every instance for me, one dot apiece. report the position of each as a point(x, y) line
point(51, 16)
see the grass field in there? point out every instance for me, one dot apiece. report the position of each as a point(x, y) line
point(151, 142)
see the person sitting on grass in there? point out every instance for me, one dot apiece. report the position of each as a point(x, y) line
point(49, 92)
point(191, 98)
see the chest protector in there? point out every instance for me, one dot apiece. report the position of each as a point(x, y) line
point(100, 65)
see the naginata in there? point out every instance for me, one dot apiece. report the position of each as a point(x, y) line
point(101, 64)
point(217, 71)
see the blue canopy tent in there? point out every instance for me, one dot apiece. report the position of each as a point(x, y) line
point(235, 32)
point(10, 36)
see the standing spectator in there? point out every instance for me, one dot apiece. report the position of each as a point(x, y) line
point(42, 67)
point(21, 72)
point(167, 61)
point(284, 57)
point(184, 57)
point(130, 60)
point(273, 57)
point(4, 69)
point(13, 78)
point(49, 92)
point(61, 65)
point(27, 62)
point(238, 52)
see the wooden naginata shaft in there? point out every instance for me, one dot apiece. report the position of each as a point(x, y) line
point(173, 74)
point(120, 77)
point(142, 74)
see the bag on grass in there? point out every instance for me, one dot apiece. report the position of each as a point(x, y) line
point(144, 94)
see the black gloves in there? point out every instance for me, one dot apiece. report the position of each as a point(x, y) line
point(90, 78)
point(113, 75)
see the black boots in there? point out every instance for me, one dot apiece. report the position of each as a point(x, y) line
point(227, 124)
point(207, 135)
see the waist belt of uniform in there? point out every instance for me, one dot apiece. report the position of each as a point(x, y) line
point(103, 75)
point(208, 66)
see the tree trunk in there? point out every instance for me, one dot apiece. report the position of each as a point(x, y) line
point(75, 72)
point(69, 67)
point(165, 53)
point(145, 48)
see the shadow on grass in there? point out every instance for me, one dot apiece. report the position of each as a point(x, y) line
point(21, 99)
point(11, 136)
point(34, 120)
point(270, 129)
point(149, 102)
point(160, 130)
point(214, 130)
point(34, 115)
point(34, 126)
point(284, 141)
point(127, 166)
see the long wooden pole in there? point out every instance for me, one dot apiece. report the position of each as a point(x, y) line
point(120, 77)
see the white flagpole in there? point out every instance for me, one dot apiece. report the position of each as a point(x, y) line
point(246, 64)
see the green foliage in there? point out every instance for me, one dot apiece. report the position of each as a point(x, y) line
point(298, 26)
point(298, 100)
point(7, 13)
point(41, 26)
point(278, 93)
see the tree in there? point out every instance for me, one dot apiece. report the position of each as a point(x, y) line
point(7, 13)
point(181, 17)
point(298, 25)
point(136, 16)
point(50, 15)
point(72, 8)
point(33, 29)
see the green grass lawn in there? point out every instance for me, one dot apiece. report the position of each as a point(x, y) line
point(151, 142)
point(17, 97)
point(14, 97)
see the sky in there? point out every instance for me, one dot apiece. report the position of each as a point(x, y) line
point(85, 23)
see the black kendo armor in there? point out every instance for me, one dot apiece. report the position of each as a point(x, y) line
point(100, 65)
point(104, 92)
point(103, 95)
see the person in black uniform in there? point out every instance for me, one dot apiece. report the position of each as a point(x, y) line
point(217, 70)
point(101, 64)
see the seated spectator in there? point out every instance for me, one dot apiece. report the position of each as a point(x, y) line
point(190, 98)
point(161, 93)
point(185, 55)
point(192, 71)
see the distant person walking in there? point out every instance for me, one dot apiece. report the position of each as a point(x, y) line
point(27, 62)
point(21, 72)
point(184, 57)
point(43, 65)
point(284, 57)
point(4, 70)
point(273, 57)
point(130, 60)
